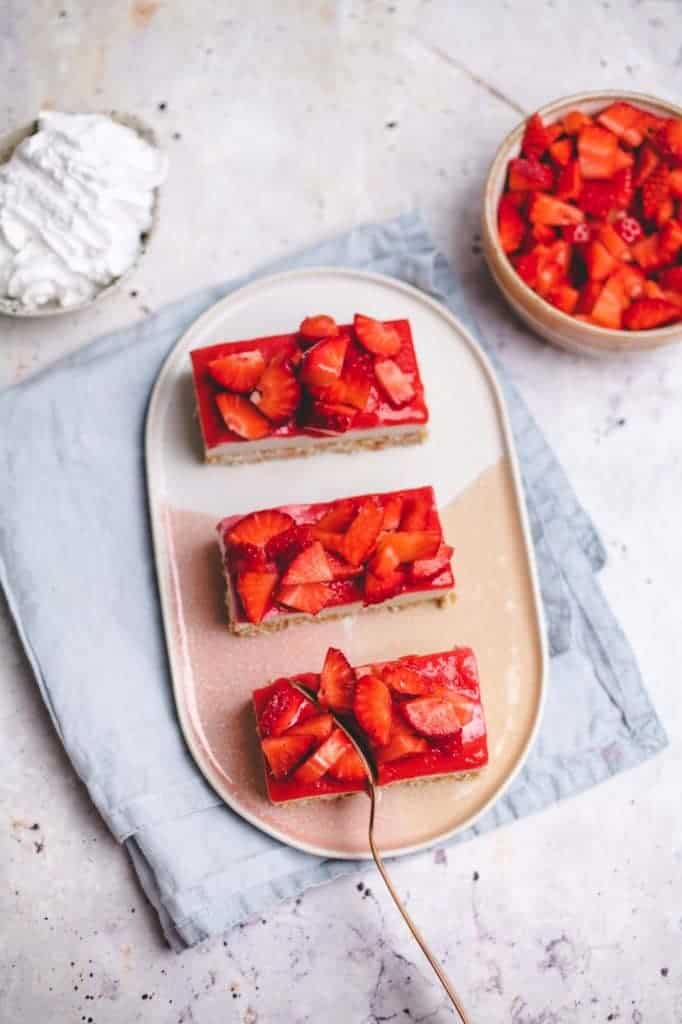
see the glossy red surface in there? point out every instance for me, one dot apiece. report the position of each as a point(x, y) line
point(466, 750)
point(378, 413)
point(345, 591)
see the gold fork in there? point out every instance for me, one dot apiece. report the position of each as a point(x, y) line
point(372, 790)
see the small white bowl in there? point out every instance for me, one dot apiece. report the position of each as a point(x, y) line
point(8, 143)
point(553, 325)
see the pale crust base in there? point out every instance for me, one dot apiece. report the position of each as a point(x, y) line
point(420, 780)
point(321, 444)
point(249, 629)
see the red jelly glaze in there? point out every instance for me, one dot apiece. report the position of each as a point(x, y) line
point(378, 412)
point(466, 750)
point(346, 591)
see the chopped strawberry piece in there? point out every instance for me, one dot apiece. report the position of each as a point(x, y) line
point(248, 556)
point(283, 753)
point(402, 742)
point(670, 241)
point(527, 266)
point(241, 416)
point(597, 152)
point(564, 298)
point(315, 327)
point(349, 767)
point(543, 233)
point(588, 296)
point(255, 588)
point(575, 121)
point(535, 138)
point(281, 710)
point(569, 182)
point(433, 716)
point(527, 175)
point(378, 589)
point(608, 309)
point(341, 569)
point(394, 548)
point(599, 261)
point(665, 212)
point(428, 568)
point(318, 726)
point(332, 542)
point(650, 124)
point(403, 679)
point(644, 314)
point(633, 281)
point(311, 566)
point(304, 597)
point(351, 388)
point(612, 240)
point(646, 252)
point(576, 234)
point(653, 290)
point(337, 682)
point(378, 338)
point(372, 708)
point(654, 191)
point(510, 224)
point(259, 527)
point(393, 508)
point(397, 384)
point(278, 394)
point(647, 161)
point(598, 198)
point(325, 418)
point(623, 160)
point(629, 229)
point(554, 131)
point(415, 512)
point(672, 278)
point(239, 372)
point(675, 183)
point(338, 517)
point(561, 151)
point(323, 363)
point(669, 140)
point(623, 187)
point(674, 297)
point(363, 532)
point(547, 209)
point(284, 547)
point(326, 755)
point(622, 119)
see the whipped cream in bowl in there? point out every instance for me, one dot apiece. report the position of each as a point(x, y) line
point(79, 200)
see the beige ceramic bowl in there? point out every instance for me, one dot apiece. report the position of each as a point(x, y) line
point(8, 143)
point(557, 327)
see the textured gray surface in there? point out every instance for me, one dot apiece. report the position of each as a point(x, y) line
point(409, 89)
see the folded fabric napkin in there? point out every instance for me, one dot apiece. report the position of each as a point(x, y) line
point(77, 568)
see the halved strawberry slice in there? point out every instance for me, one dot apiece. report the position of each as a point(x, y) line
point(349, 767)
point(285, 546)
point(622, 119)
point(304, 597)
point(612, 240)
point(546, 209)
point(323, 363)
point(238, 372)
point(599, 261)
point(310, 566)
point(597, 152)
point(337, 682)
point(338, 517)
point(647, 252)
point(326, 755)
point(363, 532)
point(608, 309)
point(351, 388)
point(428, 568)
point(633, 281)
point(278, 394)
point(395, 383)
point(644, 314)
point(402, 742)
point(340, 568)
point(255, 588)
point(335, 542)
point(241, 416)
point(415, 515)
point(259, 527)
point(281, 710)
point(326, 418)
point(372, 708)
point(378, 338)
point(395, 548)
point(535, 137)
point(283, 753)
point(405, 680)
point(432, 716)
point(378, 589)
point(510, 224)
point(529, 175)
point(318, 726)
point(315, 327)
point(654, 191)
point(393, 508)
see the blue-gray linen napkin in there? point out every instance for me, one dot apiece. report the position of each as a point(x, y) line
point(77, 568)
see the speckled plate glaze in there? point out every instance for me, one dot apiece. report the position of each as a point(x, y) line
point(469, 458)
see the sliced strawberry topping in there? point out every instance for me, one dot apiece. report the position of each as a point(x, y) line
point(332, 542)
point(397, 385)
point(255, 588)
point(281, 710)
point(378, 338)
point(349, 767)
point(372, 708)
point(325, 418)
point(318, 726)
point(315, 327)
point(283, 753)
point(238, 372)
point(323, 364)
point(337, 682)
point(326, 755)
point(242, 417)
point(351, 388)
point(284, 546)
point(304, 597)
point(415, 512)
point(529, 175)
point(394, 548)
point(311, 566)
point(423, 569)
point(393, 508)
point(403, 679)
point(259, 527)
point(340, 568)
point(432, 716)
point(278, 394)
point(380, 588)
point(338, 517)
point(644, 314)
point(402, 742)
point(535, 138)
point(363, 531)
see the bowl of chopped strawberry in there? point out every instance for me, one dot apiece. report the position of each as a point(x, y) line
point(582, 222)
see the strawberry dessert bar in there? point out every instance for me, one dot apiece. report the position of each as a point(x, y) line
point(418, 717)
point(323, 387)
point(302, 562)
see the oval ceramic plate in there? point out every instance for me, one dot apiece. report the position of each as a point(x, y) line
point(469, 459)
